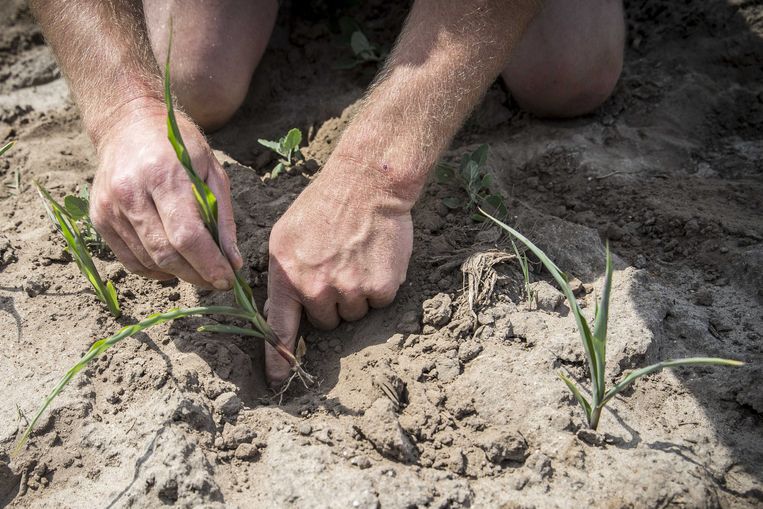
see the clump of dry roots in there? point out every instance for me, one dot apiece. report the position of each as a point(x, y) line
point(480, 278)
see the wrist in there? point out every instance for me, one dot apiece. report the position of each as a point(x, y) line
point(385, 165)
point(103, 126)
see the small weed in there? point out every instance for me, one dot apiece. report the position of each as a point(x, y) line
point(287, 147)
point(472, 178)
point(595, 341)
point(78, 207)
point(66, 223)
point(363, 51)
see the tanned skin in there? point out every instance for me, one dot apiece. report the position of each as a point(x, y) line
point(344, 245)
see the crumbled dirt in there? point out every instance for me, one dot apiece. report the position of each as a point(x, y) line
point(438, 400)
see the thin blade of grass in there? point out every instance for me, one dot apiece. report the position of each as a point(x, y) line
point(558, 275)
point(102, 345)
point(578, 396)
point(689, 361)
point(5, 148)
point(230, 329)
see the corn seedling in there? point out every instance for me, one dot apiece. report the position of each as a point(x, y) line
point(287, 147)
point(100, 346)
point(524, 263)
point(66, 223)
point(595, 340)
point(207, 205)
point(246, 309)
point(472, 178)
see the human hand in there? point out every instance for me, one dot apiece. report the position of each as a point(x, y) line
point(143, 203)
point(343, 246)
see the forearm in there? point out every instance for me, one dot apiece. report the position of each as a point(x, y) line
point(447, 56)
point(103, 50)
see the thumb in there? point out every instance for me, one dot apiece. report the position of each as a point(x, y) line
point(284, 313)
point(219, 184)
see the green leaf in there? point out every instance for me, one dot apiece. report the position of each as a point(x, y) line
point(690, 361)
point(76, 206)
point(205, 198)
point(496, 205)
point(276, 171)
point(444, 173)
point(479, 156)
point(230, 329)
point(578, 396)
point(272, 145)
point(5, 148)
point(359, 43)
point(292, 139)
point(487, 181)
point(478, 217)
point(452, 202)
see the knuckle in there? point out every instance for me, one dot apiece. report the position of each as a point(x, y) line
point(385, 290)
point(166, 259)
point(185, 238)
point(123, 189)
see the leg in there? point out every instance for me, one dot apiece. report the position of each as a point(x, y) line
point(569, 59)
point(215, 48)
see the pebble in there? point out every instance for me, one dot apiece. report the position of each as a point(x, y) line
point(305, 429)
point(247, 452)
point(409, 323)
point(437, 310)
point(361, 462)
point(228, 404)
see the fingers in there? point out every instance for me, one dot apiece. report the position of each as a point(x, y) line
point(321, 309)
point(189, 241)
point(382, 295)
point(125, 255)
point(284, 313)
point(352, 306)
point(151, 234)
point(219, 183)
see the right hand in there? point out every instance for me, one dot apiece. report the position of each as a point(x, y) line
point(143, 204)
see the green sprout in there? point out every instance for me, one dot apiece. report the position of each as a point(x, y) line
point(524, 263)
point(363, 51)
point(100, 346)
point(247, 309)
point(76, 244)
point(595, 341)
point(471, 177)
point(77, 206)
point(5, 148)
point(207, 205)
point(287, 147)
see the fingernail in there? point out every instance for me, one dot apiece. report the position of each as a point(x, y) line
point(221, 284)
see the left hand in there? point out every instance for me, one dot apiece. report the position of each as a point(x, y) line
point(343, 246)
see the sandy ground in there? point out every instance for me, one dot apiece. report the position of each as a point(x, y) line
point(669, 170)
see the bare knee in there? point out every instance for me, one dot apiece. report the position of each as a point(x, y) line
point(568, 91)
point(569, 59)
point(211, 101)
